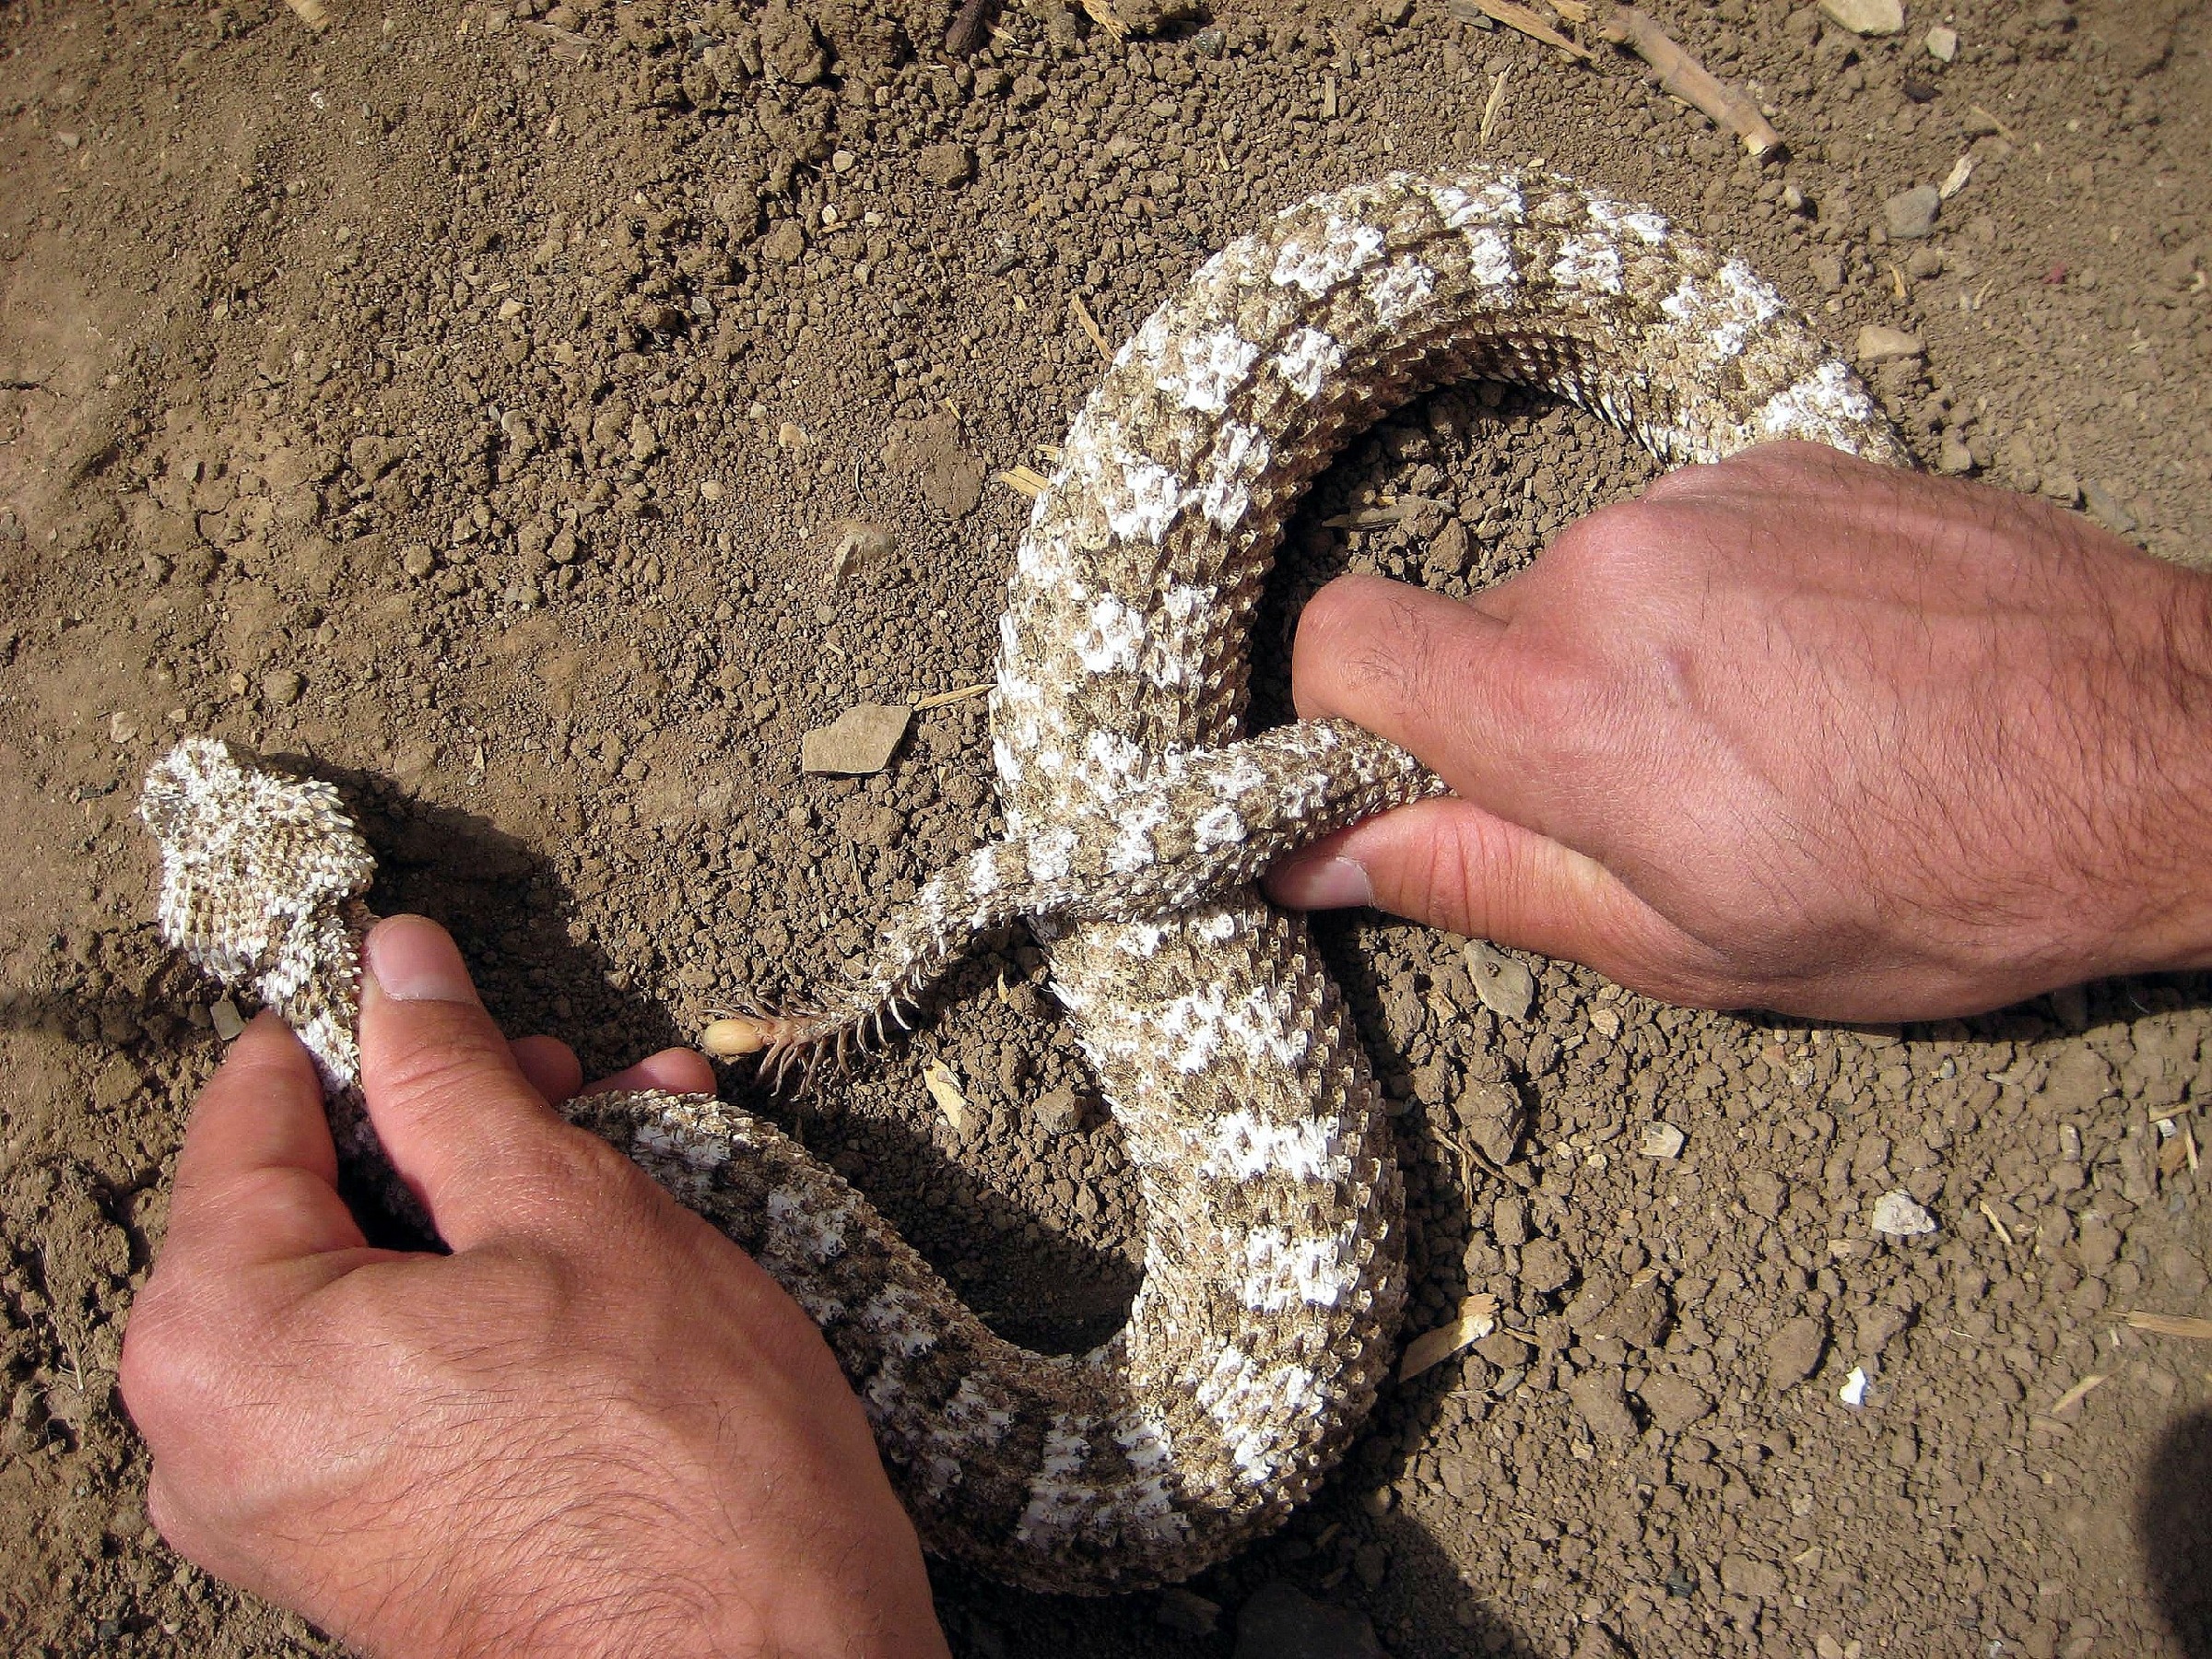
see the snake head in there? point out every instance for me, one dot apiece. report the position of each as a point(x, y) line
point(248, 858)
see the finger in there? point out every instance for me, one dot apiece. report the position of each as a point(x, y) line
point(462, 1124)
point(1435, 676)
point(549, 1064)
point(257, 1175)
point(671, 1071)
point(1451, 864)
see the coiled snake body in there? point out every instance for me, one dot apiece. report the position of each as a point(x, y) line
point(1136, 818)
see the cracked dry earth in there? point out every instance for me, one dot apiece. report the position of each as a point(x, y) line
point(540, 418)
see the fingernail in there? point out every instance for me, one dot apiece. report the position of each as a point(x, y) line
point(413, 959)
point(1323, 884)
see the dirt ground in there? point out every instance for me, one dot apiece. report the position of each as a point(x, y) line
point(478, 406)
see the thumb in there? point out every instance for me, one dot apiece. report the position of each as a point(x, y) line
point(462, 1125)
point(1451, 864)
point(1449, 680)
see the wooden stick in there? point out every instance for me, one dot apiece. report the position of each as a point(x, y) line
point(1683, 77)
point(1519, 17)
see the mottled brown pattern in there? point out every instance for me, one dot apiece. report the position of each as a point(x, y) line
point(1136, 817)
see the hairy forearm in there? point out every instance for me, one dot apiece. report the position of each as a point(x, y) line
point(2162, 817)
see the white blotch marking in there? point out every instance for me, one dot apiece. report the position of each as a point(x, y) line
point(1817, 406)
point(1498, 202)
point(1307, 358)
point(1245, 1145)
point(1281, 1272)
point(1240, 455)
point(1140, 498)
point(1319, 266)
point(1216, 927)
point(1131, 848)
point(1400, 290)
point(983, 872)
point(1646, 227)
point(1115, 640)
point(1590, 263)
point(1725, 310)
point(1214, 363)
point(1217, 827)
point(1191, 1025)
point(1056, 1505)
point(820, 1235)
point(1049, 853)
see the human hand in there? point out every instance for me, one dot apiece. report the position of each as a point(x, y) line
point(1792, 732)
point(596, 1426)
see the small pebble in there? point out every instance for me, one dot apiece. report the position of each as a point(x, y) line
point(1880, 344)
point(1868, 17)
point(1943, 44)
point(228, 1022)
point(1896, 1216)
point(1660, 1140)
point(859, 741)
point(281, 687)
point(1504, 984)
point(1911, 214)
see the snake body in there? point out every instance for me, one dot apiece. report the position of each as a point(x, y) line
point(1137, 817)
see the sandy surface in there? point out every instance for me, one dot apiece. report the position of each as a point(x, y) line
point(466, 404)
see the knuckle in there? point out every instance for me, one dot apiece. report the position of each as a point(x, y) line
point(565, 1178)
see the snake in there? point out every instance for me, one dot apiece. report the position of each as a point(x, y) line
point(1137, 813)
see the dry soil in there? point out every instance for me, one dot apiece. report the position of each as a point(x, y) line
point(478, 405)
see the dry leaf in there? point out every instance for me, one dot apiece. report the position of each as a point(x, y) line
point(2074, 1396)
point(2172, 1324)
point(1478, 1318)
point(944, 1088)
point(1522, 19)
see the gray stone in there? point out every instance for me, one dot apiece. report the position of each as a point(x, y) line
point(1187, 1611)
point(1493, 1117)
point(1640, 1317)
point(1911, 214)
point(1504, 984)
point(1545, 1266)
point(1879, 345)
point(1059, 1112)
point(1878, 1327)
point(1896, 1216)
point(1866, 17)
point(1280, 1621)
point(860, 740)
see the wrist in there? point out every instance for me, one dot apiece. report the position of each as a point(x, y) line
point(2166, 920)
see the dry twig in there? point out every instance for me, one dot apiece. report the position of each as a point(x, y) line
point(1522, 19)
point(1682, 76)
point(1089, 325)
